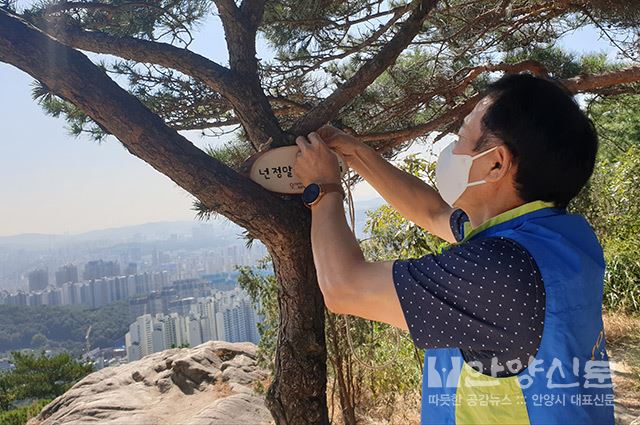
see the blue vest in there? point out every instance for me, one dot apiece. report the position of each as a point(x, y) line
point(569, 379)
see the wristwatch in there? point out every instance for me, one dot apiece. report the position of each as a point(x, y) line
point(314, 191)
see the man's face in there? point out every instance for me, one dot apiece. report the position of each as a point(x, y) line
point(468, 136)
point(471, 129)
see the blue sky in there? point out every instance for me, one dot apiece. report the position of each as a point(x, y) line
point(55, 183)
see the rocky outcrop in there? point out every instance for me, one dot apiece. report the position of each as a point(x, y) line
point(211, 384)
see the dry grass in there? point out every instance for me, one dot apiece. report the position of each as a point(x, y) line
point(405, 411)
point(623, 345)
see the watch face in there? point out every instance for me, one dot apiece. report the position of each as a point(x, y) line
point(311, 193)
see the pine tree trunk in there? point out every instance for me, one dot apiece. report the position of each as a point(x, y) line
point(297, 394)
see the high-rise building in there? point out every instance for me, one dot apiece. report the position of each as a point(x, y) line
point(66, 273)
point(211, 324)
point(240, 322)
point(69, 294)
point(38, 280)
point(132, 268)
point(227, 316)
point(98, 269)
point(139, 339)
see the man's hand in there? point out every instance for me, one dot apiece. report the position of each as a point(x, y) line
point(341, 142)
point(315, 162)
point(408, 194)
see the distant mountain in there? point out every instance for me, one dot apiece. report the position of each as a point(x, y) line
point(29, 240)
point(136, 233)
point(220, 229)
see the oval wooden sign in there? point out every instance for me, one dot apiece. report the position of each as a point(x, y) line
point(273, 169)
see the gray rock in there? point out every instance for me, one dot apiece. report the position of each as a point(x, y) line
point(210, 384)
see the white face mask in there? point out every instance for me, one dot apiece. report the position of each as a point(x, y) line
point(452, 173)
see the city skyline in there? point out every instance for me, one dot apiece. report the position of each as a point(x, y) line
point(184, 246)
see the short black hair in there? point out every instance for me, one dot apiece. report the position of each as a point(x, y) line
point(553, 142)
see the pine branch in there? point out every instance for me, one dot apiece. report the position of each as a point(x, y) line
point(578, 84)
point(367, 73)
point(72, 76)
point(242, 91)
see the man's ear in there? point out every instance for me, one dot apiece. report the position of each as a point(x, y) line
point(502, 161)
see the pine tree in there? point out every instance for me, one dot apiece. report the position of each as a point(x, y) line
point(391, 72)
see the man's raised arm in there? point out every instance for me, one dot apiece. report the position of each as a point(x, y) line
point(409, 195)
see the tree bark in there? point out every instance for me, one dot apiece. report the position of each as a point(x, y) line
point(298, 392)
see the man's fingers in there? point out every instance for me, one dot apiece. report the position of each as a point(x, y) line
point(326, 131)
point(302, 143)
point(315, 138)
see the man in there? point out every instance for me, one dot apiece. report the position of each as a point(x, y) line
point(510, 314)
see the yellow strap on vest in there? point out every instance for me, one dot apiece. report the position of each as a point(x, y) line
point(505, 216)
point(482, 399)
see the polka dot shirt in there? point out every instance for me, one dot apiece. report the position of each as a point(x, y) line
point(484, 296)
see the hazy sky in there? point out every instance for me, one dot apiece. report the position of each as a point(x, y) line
point(55, 183)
